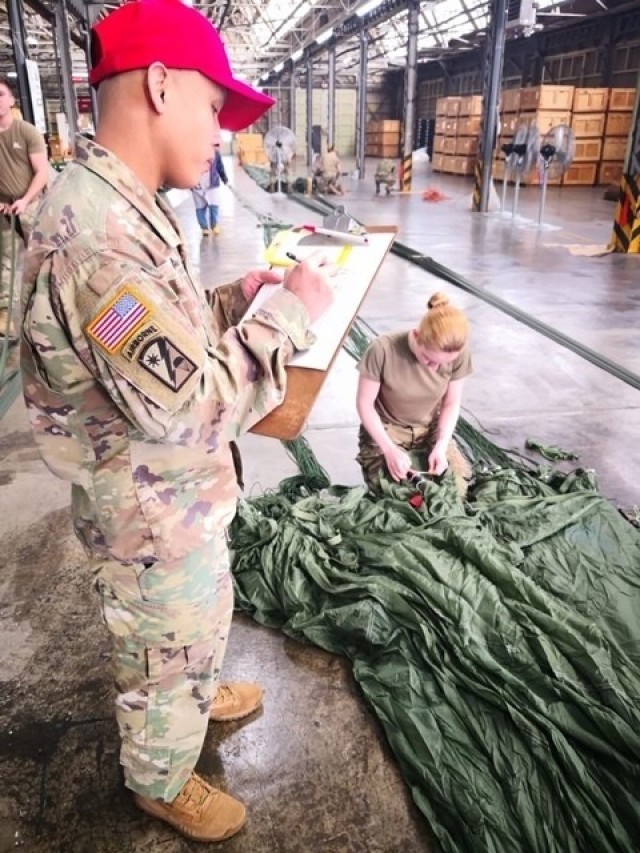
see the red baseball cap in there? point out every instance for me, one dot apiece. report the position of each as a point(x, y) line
point(141, 32)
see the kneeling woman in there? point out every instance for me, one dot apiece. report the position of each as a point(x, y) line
point(409, 397)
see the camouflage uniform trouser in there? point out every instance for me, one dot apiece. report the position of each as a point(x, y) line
point(418, 442)
point(169, 623)
point(23, 229)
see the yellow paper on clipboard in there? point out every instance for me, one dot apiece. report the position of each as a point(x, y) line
point(302, 244)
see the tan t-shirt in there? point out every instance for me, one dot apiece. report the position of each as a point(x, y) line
point(17, 143)
point(330, 163)
point(410, 393)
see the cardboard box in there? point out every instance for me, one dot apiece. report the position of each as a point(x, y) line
point(590, 100)
point(440, 124)
point(450, 126)
point(471, 105)
point(547, 98)
point(510, 100)
point(587, 150)
point(546, 119)
point(622, 100)
point(610, 173)
point(614, 149)
point(469, 126)
point(437, 162)
point(384, 126)
point(441, 107)
point(589, 124)
point(253, 157)
point(449, 145)
point(438, 144)
point(618, 124)
point(580, 174)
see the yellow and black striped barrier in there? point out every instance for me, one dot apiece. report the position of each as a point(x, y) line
point(626, 228)
point(477, 190)
point(407, 172)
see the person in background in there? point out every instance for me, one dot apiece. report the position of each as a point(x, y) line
point(385, 175)
point(328, 172)
point(409, 396)
point(136, 380)
point(24, 175)
point(206, 195)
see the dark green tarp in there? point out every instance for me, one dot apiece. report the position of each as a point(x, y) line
point(497, 641)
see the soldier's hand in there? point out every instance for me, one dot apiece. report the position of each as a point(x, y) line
point(18, 207)
point(253, 281)
point(310, 282)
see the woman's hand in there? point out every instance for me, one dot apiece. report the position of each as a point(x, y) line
point(398, 463)
point(253, 281)
point(438, 462)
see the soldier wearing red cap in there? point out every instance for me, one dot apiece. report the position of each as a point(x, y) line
point(136, 381)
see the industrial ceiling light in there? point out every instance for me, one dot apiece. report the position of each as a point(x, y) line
point(325, 36)
point(367, 7)
point(297, 55)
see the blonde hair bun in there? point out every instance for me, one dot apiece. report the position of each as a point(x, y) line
point(438, 300)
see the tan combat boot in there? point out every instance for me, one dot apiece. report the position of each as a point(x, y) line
point(200, 811)
point(235, 700)
point(7, 325)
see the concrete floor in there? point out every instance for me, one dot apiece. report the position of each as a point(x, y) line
point(312, 767)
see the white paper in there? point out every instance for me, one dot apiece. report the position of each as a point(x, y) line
point(350, 284)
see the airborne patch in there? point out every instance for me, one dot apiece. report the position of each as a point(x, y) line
point(118, 320)
point(163, 360)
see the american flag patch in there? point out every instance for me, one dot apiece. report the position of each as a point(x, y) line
point(118, 321)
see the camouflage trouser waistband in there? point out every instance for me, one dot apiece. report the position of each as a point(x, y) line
point(169, 624)
point(418, 442)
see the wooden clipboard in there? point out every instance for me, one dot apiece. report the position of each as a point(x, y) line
point(304, 384)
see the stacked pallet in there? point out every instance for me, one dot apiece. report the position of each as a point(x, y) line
point(587, 123)
point(382, 138)
point(616, 133)
point(250, 149)
point(456, 138)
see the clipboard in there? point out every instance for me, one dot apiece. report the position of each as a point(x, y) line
point(304, 384)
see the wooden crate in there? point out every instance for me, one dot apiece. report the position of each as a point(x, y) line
point(384, 126)
point(450, 126)
point(618, 124)
point(622, 100)
point(386, 137)
point(440, 124)
point(467, 146)
point(253, 157)
point(590, 100)
point(589, 125)
point(441, 107)
point(509, 122)
point(580, 174)
point(464, 165)
point(510, 100)
point(497, 170)
point(437, 162)
point(447, 163)
point(453, 106)
point(471, 105)
point(545, 119)
point(249, 141)
point(469, 126)
point(438, 144)
point(449, 146)
point(547, 98)
point(588, 150)
point(614, 149)
point(610, 173)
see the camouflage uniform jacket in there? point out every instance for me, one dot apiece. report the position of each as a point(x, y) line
point(134, 378)
point(385, 171)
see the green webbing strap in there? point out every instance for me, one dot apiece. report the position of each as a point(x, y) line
point(4, 352)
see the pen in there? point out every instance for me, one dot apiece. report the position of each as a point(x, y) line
point(339, 235)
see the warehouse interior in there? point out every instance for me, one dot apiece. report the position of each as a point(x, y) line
point(543, 256)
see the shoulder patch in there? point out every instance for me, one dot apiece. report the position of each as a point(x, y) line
point(162, 358)
point(119, 320)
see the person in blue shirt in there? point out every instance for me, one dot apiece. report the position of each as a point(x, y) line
point(206, 195)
